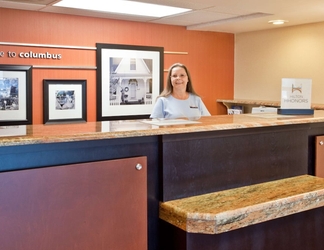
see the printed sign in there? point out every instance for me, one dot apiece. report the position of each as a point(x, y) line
point(296, 93)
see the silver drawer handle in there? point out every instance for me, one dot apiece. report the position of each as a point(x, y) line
point(321, 143)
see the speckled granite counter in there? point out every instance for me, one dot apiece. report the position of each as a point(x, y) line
point(36, 134)
point(256, 103)
point(228, 210)
point(250, 102)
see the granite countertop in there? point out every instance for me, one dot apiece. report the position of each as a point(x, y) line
point(265, 103)
point(35, 134)
point(252, 102)
point(232, 209)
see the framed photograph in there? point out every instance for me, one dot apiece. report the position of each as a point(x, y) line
point(65, 101)
point(129, 79)
point(15, 95)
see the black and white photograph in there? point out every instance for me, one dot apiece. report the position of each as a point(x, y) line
point(15, 95)
point(9, 94)
point(64, 101)
point(129, 79)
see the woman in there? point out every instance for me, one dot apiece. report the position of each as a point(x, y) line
point(179, 99)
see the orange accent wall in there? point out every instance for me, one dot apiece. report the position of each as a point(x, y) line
point(210, 57)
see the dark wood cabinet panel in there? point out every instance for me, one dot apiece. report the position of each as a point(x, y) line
point(208, 162)
point(96, 205)
point(319, 157)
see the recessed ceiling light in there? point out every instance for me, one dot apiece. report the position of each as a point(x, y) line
point(278, 22)
point(123, 7)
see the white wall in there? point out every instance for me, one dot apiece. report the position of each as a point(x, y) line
point(263, 58)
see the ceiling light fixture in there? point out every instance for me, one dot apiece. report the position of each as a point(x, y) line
point(278, 22)
point(122, 7)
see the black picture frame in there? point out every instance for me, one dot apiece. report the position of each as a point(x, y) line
point(129, 79)
point(15, 95)
point(65, 101)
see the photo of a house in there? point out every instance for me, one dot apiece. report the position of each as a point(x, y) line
point(130, 81)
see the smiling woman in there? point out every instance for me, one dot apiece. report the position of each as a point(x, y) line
point(179, 98)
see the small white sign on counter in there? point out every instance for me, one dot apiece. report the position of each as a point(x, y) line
point(296, 93)
point(166, 122)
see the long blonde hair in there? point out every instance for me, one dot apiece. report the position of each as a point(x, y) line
point(169, 88)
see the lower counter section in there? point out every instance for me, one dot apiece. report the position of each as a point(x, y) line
point(227, 210)
point(298, 232)
point(281, 215)
point(246, 215)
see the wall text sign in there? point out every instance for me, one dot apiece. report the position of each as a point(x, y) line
point(31, 55)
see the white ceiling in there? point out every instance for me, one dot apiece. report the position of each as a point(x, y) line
point(230, 16)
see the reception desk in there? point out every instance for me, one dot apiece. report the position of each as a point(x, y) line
point(184, 158)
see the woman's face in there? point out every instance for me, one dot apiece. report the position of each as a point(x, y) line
point(179, 78)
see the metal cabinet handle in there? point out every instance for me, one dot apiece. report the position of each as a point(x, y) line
point(138, 166)
point(321, 143)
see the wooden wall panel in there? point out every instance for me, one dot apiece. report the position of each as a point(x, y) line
point(202, 163)
point(319, 157)
point(210, 55)
point(89, 206)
